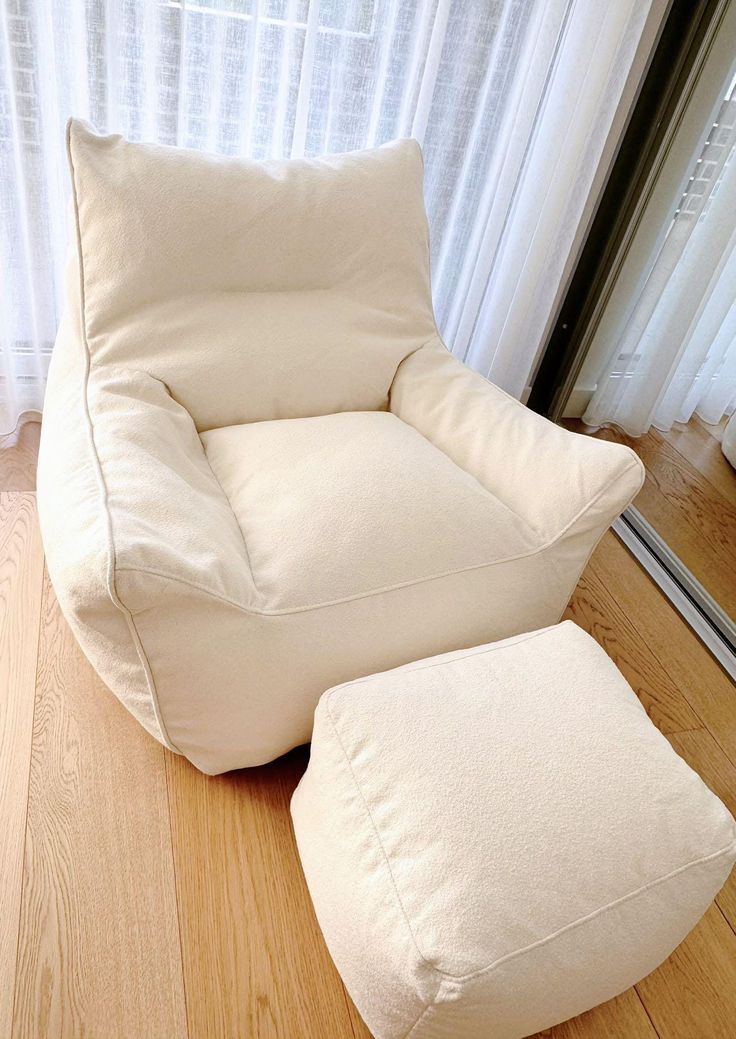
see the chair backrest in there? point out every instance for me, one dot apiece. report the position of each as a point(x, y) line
point(253, 290)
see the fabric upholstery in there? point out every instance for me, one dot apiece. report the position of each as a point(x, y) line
point(498, 839)
point(304, 282)
point(261, 472)
point(346, 505)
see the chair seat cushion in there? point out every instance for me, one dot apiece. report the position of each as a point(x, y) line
point(349, 505)
point(498, 838)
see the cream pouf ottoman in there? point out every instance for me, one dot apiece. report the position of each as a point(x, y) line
point(498, 839)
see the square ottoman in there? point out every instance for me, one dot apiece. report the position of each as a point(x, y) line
point(498, 839)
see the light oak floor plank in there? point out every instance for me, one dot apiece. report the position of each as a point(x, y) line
point(686, 509)
point(360, 1029)
point(121, 834)
point(696, 442)
point(602, 615)
point(99, 954)
point(681, 655)
point(21, 577)
point(255, 963)
point(693, 994)
point(18, 455)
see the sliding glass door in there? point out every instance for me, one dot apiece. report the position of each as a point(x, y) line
point(659, 366)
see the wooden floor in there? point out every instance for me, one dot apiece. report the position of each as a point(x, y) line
point(689, 497)
point(143, 900)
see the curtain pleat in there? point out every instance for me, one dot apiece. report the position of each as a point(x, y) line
point(512, 101)
point(675, 353)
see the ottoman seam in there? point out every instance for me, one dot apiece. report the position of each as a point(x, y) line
point(729, 848)
point(432, 1003)
point(441, 974)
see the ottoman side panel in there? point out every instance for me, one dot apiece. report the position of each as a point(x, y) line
point(584, 964)
point(350, 885)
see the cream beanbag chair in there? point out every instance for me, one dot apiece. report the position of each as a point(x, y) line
point(498, 839)
point(261, 471)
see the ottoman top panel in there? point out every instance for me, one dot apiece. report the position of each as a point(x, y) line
point(516, 790)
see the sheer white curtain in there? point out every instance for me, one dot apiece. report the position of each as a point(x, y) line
point(512, 100)
point(676, 351)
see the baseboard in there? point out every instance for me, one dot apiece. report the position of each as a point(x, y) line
point(578, 401)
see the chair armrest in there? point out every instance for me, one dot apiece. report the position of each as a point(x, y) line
point(168, 512)
point(551, 477)
point(157, 501)
point(126, 496)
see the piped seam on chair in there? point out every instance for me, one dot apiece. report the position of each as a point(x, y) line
point(597, 541)
point(286, 611)
point(99, 475)
point(478, 483)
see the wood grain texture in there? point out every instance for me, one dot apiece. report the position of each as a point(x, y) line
point(693, 994)
point(18, 456)
point(595, 609)
point(99, 953)
point(255, 963)
point(126, 846)
point(21, 575)
point(698, 525)
point(680, 654)
point(688, 510)
point(697, 443)
point(360, 1028)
